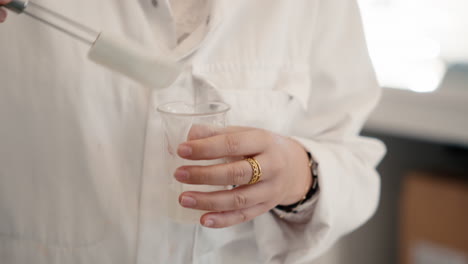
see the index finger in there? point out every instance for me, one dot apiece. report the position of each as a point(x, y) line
point(244, 143)
point(3, 12)
point(204, 131)
point(3, 15)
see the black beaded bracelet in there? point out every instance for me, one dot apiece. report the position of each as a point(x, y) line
point(292, 208)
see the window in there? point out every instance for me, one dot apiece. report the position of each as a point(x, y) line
point(412, 42)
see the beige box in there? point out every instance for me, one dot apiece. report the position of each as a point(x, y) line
point(434, 219)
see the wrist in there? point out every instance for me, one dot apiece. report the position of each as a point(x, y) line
point(310, 192)
point(299, 192)
point(301, 176)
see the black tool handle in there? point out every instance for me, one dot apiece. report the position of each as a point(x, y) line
point(16, 6)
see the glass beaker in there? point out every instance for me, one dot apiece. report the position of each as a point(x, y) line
point(178, 118)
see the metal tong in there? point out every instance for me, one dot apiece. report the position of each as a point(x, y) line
point(51, 18)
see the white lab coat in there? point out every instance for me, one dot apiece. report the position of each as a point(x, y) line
point(81, 176)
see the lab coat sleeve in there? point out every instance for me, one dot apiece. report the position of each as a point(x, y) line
point(343, 92)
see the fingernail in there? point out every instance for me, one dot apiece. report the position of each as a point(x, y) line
point(208, 223)
point(184, 150)
point(188, 201)
point(181, 175)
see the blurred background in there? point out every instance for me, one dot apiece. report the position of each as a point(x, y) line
point(420, 52)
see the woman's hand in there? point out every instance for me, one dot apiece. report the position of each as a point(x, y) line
point(286, 176)
point(3, 12)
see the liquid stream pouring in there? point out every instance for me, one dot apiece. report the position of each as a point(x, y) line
point(111, 51)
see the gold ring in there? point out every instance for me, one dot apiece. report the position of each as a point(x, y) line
point(256, 170)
